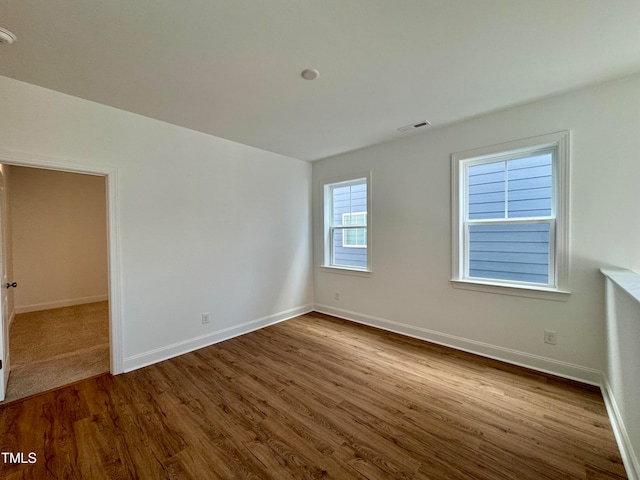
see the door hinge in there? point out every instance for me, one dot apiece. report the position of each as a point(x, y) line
point(0, 364)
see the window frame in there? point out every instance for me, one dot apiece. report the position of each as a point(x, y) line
point(558, 221)
point(346, 226)
point(327, 201)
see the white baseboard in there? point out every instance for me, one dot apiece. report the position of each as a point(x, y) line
point(36, 307)
point(629, 457)
point(514, 357)
point(164, 353)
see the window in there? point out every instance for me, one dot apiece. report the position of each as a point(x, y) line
point(355, 237)
point(510, 205)
point(347, 232)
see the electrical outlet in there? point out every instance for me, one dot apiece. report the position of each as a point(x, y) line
point(337, 296)
point(550, 337)
point(205, 318)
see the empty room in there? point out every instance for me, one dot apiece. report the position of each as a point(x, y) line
point(356, 239)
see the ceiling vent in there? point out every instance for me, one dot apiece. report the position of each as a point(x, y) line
point(408, 128)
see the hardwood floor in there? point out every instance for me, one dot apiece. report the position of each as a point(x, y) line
point(316, 397)
point(51, 348)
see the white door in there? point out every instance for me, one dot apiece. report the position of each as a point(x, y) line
point(4, 303)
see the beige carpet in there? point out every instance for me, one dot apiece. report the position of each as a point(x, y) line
point(52, 348)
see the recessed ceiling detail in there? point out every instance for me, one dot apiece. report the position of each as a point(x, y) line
point(310, 74)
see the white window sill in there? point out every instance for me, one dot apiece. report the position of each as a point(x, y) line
point(516, 290)
point(360, 272)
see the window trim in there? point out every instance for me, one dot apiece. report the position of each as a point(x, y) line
point(560, 143)
point(326, 186)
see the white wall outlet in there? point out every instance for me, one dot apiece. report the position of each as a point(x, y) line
point(550, 337)
point(336, 296)
point(206, 317)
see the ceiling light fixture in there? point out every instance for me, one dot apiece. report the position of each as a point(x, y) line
point(6, 36)
point(310, 74)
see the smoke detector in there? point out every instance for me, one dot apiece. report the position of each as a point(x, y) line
point(408, 128)
point(6, 36)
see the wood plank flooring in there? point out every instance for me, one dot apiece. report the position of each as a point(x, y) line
point(316, 397)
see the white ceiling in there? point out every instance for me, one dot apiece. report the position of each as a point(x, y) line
point(231, 68)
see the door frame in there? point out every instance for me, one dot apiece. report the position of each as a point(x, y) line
point(5, 316)
point(110, 173)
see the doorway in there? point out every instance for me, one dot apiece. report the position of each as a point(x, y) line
point(108, 176)
point(60, 331)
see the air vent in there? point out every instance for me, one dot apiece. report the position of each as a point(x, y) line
point(408, 128)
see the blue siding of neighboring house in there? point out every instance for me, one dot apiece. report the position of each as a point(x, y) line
point(510, 252)
point(509, 190)
point(350, 199)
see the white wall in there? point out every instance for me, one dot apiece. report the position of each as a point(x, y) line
point(622, 384)
point(59, 224)
point(204, 224)
point(409, 290)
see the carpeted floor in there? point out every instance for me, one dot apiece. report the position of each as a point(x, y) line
point(51, 348)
